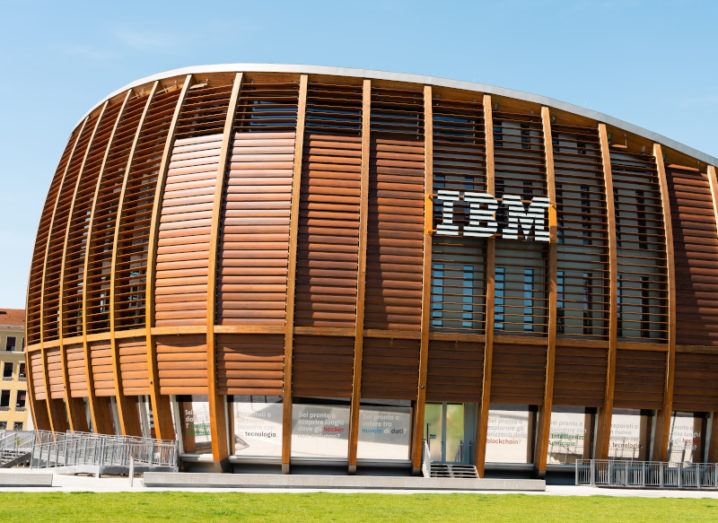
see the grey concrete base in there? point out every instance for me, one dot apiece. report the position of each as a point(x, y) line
point(11, 478)
point(311, 481)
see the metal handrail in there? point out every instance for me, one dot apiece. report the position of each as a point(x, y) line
point(646, 474)
point(77, 449)
point(426, 461)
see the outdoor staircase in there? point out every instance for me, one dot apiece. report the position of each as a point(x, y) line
point(12, 458)
point(448, 470)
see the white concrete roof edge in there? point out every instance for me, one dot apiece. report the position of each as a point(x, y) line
point(419, 79)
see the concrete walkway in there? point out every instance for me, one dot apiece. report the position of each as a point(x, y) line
point(63, 483)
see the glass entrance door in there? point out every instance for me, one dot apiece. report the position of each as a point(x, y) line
point(449, 431)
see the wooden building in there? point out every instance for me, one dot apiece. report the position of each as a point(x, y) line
point(292, 264)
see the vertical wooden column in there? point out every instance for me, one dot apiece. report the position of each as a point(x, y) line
point(217, 406)
point(663, 419)
point(128, 418)
point(713, 443)
point(541, 454)
point(55, 415)
point(291, 277)
point(603, 436)
point(75, 409)
point(100, 415)
point(713, 184)
point(417, 446)
point(361, 277)
point(161, 409)
point(482, 422)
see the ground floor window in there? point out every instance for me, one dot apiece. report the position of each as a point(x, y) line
point(631, 433)
point(194, 421)
point(320, 428)
point(384, 430)
point(256, 423)
point(511, 434)
point(571, 435)
point(686, 437)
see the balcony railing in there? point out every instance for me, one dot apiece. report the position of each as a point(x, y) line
point(646, 474)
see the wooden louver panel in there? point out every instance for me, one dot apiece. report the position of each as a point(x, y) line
point(103, 228)
point(396, 210)
point(580, 376)
point(54, 373)
point(696, 388)
point(518, 374)
point(182, 259)
point(182, 364)
point(250, 364)
point(458, 282)
point(77, 236)
point(640, 377)
point(37, 373)
point(57, 234)
point(642, 287)
point(102, 371)
point(136, 213)
point(455, 371)
point(322, 366)
point(582, 249)
point(183, 248)
point(520, 303)
point(253, 264)
point(390, 368)
point(33, 318)
point(76, 370)
point(328, 234)
point(695, 244)
point(133, 366)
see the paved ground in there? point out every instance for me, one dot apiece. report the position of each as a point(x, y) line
point(114, 484)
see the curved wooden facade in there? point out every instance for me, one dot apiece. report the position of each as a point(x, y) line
point(249, 231)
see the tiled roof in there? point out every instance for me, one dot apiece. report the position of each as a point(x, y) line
point(15, 317)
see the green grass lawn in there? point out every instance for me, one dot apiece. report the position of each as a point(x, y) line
point(189, 506)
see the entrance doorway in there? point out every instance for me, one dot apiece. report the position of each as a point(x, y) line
point(450, 432)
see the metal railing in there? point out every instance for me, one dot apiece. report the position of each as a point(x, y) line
point(426, 460)
point(100, 451)
point(20, 440)
point(646, 474)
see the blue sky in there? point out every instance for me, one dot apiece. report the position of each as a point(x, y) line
point(652, 63)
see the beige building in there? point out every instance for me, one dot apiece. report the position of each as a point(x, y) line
point(14, 405)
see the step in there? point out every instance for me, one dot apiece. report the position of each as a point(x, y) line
point(449, 470)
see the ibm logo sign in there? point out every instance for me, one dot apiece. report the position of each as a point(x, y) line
point(482, 216)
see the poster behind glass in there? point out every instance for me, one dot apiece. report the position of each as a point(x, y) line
point(258, 428)
point(507, 438)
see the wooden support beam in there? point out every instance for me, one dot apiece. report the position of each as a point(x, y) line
point(603, 436)
point(420, 405)
point(55, 418)
point(713, 184)
point(75, 409)
point(663, 419)
point(361, 277)
point(100, 413)
point(128, 417)
point(713, 443)
point(291, 276)
point(161, 409)
point(541, 454)
point(217, 404)
point(482, 422)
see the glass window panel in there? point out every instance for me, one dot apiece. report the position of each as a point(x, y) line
point(257, 426)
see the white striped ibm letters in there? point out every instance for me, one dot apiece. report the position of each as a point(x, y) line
point(482, 216)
